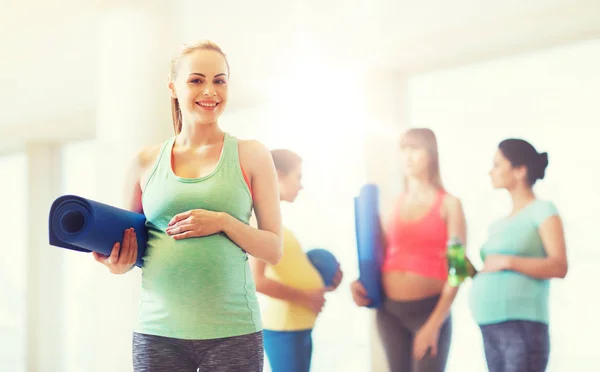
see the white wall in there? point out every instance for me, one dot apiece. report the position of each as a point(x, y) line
point(13, 251)
point(549, 98)
point(330, 141)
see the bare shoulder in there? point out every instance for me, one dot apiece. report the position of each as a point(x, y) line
point(452, 203)
point(136, 175)
point(252, 147)
point(143, 161)
point(254, 156)
point(146, 156)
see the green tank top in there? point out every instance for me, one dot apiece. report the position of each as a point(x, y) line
point(501, 296)
point(196, 288)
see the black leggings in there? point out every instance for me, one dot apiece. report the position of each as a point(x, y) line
point(231, 354)
point(398, 321)
point(516, 346)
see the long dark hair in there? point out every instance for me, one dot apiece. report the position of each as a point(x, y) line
point(522, 153)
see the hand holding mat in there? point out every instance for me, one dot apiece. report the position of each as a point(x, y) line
point(369, 242)
point(85, 225)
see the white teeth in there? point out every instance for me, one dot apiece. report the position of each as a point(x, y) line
point(206, 104)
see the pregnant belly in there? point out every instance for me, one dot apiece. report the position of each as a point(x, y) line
point(499, 296)
point(406, 286)
point(192, 266)
point(504, 285)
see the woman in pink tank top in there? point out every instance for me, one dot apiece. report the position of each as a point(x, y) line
point(414, 320)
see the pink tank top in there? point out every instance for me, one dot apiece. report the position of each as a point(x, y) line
point(418, 246)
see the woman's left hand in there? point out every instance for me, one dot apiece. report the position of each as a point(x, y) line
point(337, 279)
point(196, 223)
point(426, 339)
point(496, 262)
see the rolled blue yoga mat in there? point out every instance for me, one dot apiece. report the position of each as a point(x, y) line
point(85, 225)
point(325, 263)
point(369, 242)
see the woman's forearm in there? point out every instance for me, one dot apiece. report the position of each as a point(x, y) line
point(280, 291)
point(442, 309)
point(264, 245)
point(539, 268)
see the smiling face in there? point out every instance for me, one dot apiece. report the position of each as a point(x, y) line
point(200, 85)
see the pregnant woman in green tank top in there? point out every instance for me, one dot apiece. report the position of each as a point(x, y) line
point(198, 307)
point(523, 251)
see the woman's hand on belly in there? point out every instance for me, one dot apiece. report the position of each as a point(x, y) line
point(195, 223)
point(314, 300)
point(496, 262)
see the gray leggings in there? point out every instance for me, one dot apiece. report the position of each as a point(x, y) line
point(398, 321)
point(231, 354)
point(516, 346)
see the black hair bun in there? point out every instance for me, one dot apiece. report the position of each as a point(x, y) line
point(541, 165)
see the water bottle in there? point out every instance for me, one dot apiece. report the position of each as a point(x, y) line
point(457, 262)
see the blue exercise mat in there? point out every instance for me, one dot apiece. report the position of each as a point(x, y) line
point(325, 263)
point(85, 225)
point(369, 242)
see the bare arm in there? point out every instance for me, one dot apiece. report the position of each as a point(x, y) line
point(554, 265)
point(132, 192)
point(457, 226)
point(136, 175)
point(273, 288)
point(264, 242)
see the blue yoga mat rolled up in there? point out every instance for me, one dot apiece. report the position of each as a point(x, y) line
point(85, 225)
point(369, 242)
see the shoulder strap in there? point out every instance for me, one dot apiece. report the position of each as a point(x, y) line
point(160, 160)
point(230, 151)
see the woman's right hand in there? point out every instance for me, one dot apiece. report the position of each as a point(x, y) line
point(359, 294)
point(314, 300)
point(123, 256)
